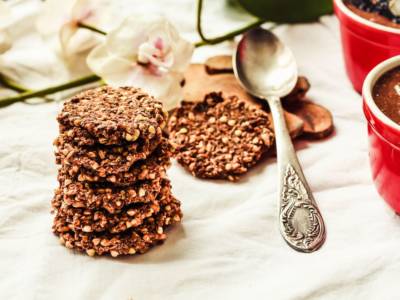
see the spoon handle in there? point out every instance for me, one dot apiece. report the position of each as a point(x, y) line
point(300, 220)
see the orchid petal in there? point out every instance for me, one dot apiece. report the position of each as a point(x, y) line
point(102, 62)
point(5, 41)
point(5, 20)
point(74, 41)
point(54, 14)
point(145, 52)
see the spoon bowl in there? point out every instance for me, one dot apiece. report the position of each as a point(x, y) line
point(264, 65)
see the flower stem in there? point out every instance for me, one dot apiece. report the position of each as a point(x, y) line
point(91, 28)
point(26, 94)
point(212, 41)
point(50, 90)
point(12, 85)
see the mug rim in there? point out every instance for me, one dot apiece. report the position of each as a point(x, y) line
point(368, 85)
point(362, 20)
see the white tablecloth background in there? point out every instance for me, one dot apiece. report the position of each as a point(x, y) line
point(228, 246)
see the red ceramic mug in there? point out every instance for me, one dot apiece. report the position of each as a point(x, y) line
point(384, 139)
point(365, 43)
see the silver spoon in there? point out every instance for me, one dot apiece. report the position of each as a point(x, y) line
point(266, 68)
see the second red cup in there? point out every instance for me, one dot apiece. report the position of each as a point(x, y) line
point(384, 139)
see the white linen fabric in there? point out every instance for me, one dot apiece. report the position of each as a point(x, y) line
point(228, 246)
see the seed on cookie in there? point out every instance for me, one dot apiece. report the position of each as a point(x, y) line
point(108, 115)
point(86, 220)
point(153, 166)
point(131, 241)
point(101, 160)
point(225, 147)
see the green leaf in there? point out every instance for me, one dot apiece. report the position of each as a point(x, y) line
point(288, 11)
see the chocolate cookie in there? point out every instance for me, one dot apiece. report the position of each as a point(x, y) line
point(219, 137)
point(112, 199)
point(153, 167)
point(87, 220)
point(133, 240)
point(112, 116)
point(101, 159)
point(81, 137)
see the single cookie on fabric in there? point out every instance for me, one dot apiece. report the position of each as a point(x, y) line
point(87, 220)
point(219, 138)
point(153, 167)
point(112, 116)
point(106, 196)
point(100, 159)
point(134, 240)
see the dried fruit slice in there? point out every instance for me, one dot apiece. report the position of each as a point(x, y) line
point(299, 91)
point(318, 121)
point(294, 124)
point(219, 64)
point(199, 84)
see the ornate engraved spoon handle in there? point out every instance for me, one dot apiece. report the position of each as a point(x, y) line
point(300, 220)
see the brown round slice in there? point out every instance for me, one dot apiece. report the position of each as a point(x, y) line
point(98, 159)
point(134, 240)
point(219, 137)
point(110, 116)
point(87, 220)
point(153, 167)
point(318, 121)
point(219, 64)
point(112, 199)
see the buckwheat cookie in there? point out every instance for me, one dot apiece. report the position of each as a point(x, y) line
point(87, 220)
point(112, 116)
point(154, 166)
point(133, 240)
point(219, 137)
point(112, 199)
point(101, 159)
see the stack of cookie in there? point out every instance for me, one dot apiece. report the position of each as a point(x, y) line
point(114, 196)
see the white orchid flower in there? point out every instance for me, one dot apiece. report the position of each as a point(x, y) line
point(5, 20)
point(59, 20)
point(145, 52)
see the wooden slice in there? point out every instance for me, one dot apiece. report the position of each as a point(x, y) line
point(219, 64)
point(299, 91)
point(198, 84)
point(318, 121)
point(222, 64)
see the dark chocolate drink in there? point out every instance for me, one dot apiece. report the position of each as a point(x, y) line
point(386, 94)
point(377, 11)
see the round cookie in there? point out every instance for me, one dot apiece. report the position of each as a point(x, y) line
point(112, 116)
point(134, 240)
point(102, 159)
point(153, 167)
point(112, 199)
point(219, 138)
point(87, 220)
point(81, 137)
